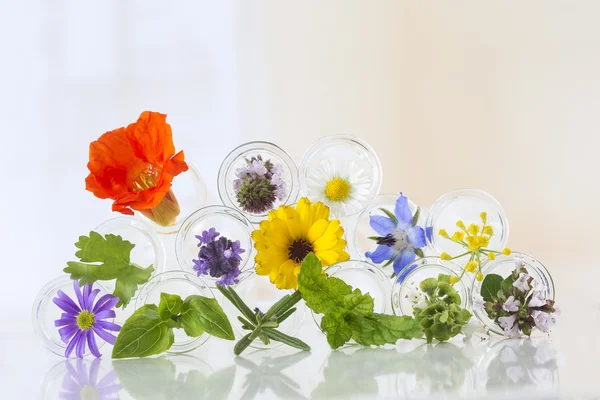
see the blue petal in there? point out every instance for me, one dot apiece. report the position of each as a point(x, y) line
point(416, 237)
point(402, 210)
point(381, 225)
point(429, 233)
point(381, 253)
point(405, 257)
point(404, 273)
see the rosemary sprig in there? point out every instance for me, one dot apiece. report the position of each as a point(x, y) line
point(263, 326)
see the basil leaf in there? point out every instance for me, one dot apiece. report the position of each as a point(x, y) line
point(201, 314)
point(143, 334)
point(169, 306)
point(490, 286)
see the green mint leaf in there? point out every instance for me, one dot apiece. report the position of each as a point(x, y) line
point(128, 281)
point(108, 258)
point(380, 329)
point(337, 330)
point(143, 334)
point(321, 293)
point(361, 303)
point(201, 314)
point(490, 286)
point(169, 306)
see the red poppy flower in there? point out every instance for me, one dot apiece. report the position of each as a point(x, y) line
point(135, 166)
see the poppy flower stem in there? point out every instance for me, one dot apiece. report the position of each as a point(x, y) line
point(166, 212)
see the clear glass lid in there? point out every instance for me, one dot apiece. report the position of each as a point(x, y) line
point(465, 205)
point(205, 224)
point(45, 312)
point(504, 266)
point(259, 293)
point(343, 172)
point(189, 192)
point(256, 178)
point(360, 232)
point(182, 284)
point(406, 293)
point(148, 250)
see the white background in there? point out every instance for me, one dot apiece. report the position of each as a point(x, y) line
point(503, 97)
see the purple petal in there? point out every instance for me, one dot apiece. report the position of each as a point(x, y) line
point(106, 382)
point(381, 253)
point(105, 314)
point(73, 382)
point(94, 369)
point(109, 326)
point(402, 210)
point(87, 289)
point(80, 349)
point(66, 303)
point(77, 291)
point(72, 344)
point(106, 392)
point(406, 257)
point(404, 273)
point(102, 301)
point(382, 225)
point(107, 337)
point(91, 339)
point(91, 298)
point(416, 237)
point(82, 372)
point(65, 321)
point(107, 305)
point(67, 332)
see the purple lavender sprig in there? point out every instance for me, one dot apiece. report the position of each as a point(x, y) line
point(80, 322)
point(218, 257)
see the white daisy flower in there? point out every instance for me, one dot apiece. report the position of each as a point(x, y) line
point(341, 185)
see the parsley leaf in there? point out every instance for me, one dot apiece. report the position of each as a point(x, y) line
point(348, 314)
point(108, 258)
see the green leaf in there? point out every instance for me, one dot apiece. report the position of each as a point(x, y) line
point(361, 303)
point(242, 344)
point(169, 306)
point(390, 215)
point(444, 316)
point(379, 329)
point(281, 337)
point(284, 304)
point(416, 216)
point(143, 334)
point(490, 286)
point(441, 332)
point(507, 284)
point(443, 278)
point(337, 330)
point(108, 258)
point(321, 293)
point(419, 253)
point(429, 286)
point(201, 314)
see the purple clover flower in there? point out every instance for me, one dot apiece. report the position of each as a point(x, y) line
point(218, 257)
point(81, 321)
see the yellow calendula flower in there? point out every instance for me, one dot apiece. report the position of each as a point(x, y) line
point(289, 234)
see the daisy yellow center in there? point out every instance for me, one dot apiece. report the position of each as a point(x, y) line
point(146, 179)
point(299, 249)
point(85, 320)
point(337, 189)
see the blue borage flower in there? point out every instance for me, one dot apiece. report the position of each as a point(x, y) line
point(218, 257)
point(400, 239)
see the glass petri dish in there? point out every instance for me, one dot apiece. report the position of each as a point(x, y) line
point(285, 170)
point(504, 266)
point(148, 248)
point(45, 312)
point(191, 194)
point(258, 292)
point(229, 222)
point(183, 284)
point(364, 276)
point(402, 292)
point(346, 165)
point(359, 233)
point(465, 205)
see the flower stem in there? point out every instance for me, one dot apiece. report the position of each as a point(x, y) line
point(166, 212)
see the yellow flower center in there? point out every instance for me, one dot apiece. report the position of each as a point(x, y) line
point(85, 320)
point(147, 178)
point(89, 393)
point(299, 249)
point(337, 189)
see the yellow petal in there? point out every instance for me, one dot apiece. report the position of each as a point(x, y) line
point(317, 230)
point(328, 257)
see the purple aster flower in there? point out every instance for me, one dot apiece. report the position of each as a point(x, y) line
point(80, 384)
point(81, 321)
point(219, 257)
point(399, 240)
